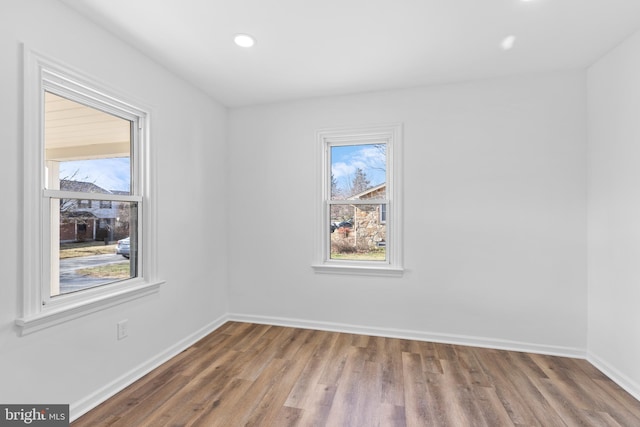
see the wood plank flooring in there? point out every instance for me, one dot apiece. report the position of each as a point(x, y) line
point(246, 374)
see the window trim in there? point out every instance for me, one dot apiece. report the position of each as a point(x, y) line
point(41, 73)
point(391, 135)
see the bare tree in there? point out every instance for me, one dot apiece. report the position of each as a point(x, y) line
point(70, 212)
point(335, 190)
point(360, 182)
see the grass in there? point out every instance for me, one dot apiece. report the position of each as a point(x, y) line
point(79, 249)
point(120, 270)
point(361, 256)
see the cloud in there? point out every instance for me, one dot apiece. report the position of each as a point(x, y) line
point(343, 170)
point(373, 156)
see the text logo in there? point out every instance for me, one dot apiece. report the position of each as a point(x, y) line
point(34, 415)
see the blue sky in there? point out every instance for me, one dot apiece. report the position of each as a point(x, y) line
point(110, 174)
point(347, 158)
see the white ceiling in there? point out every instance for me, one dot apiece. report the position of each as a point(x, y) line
point(308, 48)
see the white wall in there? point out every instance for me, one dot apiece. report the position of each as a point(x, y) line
point(69, 362)
point(614, 213)
point(495, 214)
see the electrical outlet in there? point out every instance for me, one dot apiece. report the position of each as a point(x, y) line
point(123, 329)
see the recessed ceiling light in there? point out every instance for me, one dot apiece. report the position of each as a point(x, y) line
point(244, 40)
point(508, 42)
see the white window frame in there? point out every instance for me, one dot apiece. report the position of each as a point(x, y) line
point(391, 135)
point(39, 311)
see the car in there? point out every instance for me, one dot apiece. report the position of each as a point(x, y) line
point(346, 224)
point(343, 224)
point(123, 247)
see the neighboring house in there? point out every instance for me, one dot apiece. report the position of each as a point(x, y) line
point(369, 221)
point(89, 219)
point(377, 192)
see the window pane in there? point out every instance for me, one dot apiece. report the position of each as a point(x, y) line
point(357, 170)
point(86, 149)
point(362, 236)
point(97, 245)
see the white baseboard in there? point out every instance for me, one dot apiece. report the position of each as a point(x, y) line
point(630, 386)
point(84, 405)
point(494, 343)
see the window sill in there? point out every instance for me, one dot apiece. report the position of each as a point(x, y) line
point(64, 313)
point(357, 270)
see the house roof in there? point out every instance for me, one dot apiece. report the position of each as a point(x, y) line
point(86, 187)
point(82, 187)
point(84, 214)
point(369, 191)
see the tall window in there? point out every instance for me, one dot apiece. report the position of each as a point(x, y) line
point(88, 154)
point(87, 192)
point(360, 227)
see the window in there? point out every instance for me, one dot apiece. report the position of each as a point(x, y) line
point(87, 184)
point(383, 213)
point(359, 227)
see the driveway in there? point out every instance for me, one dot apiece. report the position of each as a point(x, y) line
point(71, 281)
point(68, 264)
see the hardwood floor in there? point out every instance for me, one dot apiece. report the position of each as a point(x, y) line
point(255, 375)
